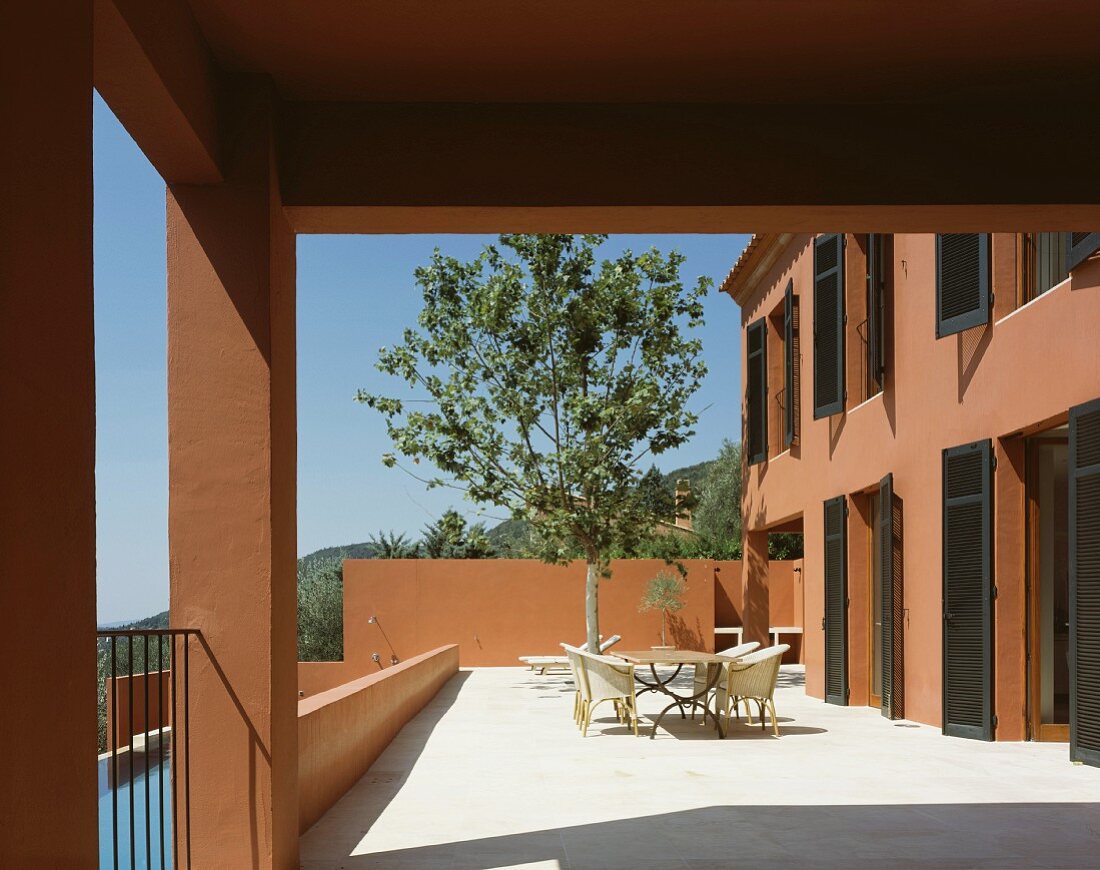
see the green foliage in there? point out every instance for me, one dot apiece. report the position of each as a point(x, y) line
point(717, 514)
point(321, 610)
point(785, 545)
point(665, 593)
point(393, 546)
point(450, 538)
point(510, 538)
point(548, 376)
point(656, 496)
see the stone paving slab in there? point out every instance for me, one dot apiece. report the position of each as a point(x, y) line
point(493, 774)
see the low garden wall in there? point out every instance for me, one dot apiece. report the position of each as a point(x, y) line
point(499, 609)
point(341, 731)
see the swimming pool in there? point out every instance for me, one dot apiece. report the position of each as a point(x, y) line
point(147, 783)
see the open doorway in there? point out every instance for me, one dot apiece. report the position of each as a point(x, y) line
point(1048, 585)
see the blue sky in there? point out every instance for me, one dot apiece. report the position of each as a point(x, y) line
point(355, 294)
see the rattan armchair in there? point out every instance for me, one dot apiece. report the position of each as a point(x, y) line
point(703, 672)
point(600, 679)
point(753, 678)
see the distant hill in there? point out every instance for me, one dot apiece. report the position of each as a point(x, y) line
point(697, 475)
point(508, 537)
point(159, 620)
point(347, 551)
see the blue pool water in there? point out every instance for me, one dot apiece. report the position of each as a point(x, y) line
point(148, 771)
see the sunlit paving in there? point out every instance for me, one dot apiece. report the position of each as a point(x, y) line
point(494, 773)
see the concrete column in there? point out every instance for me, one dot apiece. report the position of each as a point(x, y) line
point(232, 499)
point(754, 587)
point(47, 438)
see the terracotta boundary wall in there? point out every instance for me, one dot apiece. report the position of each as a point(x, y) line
point(499, 609)
point(118, 705)
point(785, 604)
point(343, 730)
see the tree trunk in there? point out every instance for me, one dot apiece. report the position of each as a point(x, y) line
point(592, 607)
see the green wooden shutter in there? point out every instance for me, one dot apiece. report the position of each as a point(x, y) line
point(891, 596)
point(967, 592)
point(876, 307)
point(836, 602)
point(828, 325)
point(962, 282)
point(1081, 247)
point(1084, 583)
point(756, 402)
point(790, 397)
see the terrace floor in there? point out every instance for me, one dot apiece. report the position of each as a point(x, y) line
point(494, 774)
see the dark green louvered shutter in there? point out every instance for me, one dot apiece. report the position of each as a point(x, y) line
point(790, 359)
point(891, 597)
point(1084, 583)
point(1081, 247)
point(876, 307)
point(828, 325)
point(756, 401)
point(962, 282)
point(967, 592)
point(836, 601)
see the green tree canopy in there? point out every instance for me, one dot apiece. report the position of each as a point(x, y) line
point(393, 546)
point(321, 609)
point(717, 514)
point(542, 377)
point(450, 538)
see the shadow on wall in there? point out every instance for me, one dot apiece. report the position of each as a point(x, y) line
point(909, 835)
point(683, 636)
point(972, 345)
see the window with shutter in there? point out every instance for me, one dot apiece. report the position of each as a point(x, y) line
point(836, 601)
point(967, 592)
point(962, 282)
point(1043, 258)
point(790, 362)
point(756, 399)
point(1081, 247)
point(893, 644)
point(1084, 583)
point(828, 325)
point(876, 312)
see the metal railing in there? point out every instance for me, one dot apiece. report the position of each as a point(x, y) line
point(125, 657)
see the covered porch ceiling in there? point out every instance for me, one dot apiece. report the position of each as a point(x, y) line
point(697, 115)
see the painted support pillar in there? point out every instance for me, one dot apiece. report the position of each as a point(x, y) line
point(1010, 579)
point(754, 588)
point(47, 438)
point(232, 499)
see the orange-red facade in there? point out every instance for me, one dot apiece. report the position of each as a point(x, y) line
point(1012, 380)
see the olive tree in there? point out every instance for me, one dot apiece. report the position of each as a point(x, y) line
point(541, 377)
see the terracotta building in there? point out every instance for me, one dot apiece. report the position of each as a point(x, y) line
point(924, 408)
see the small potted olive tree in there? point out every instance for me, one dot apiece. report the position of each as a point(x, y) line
point(665, 593)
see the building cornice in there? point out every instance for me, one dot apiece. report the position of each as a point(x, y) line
point(758, 257)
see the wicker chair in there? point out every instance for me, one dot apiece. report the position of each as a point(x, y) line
point(601, 678)
point(702, 671)
point(751, 679)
